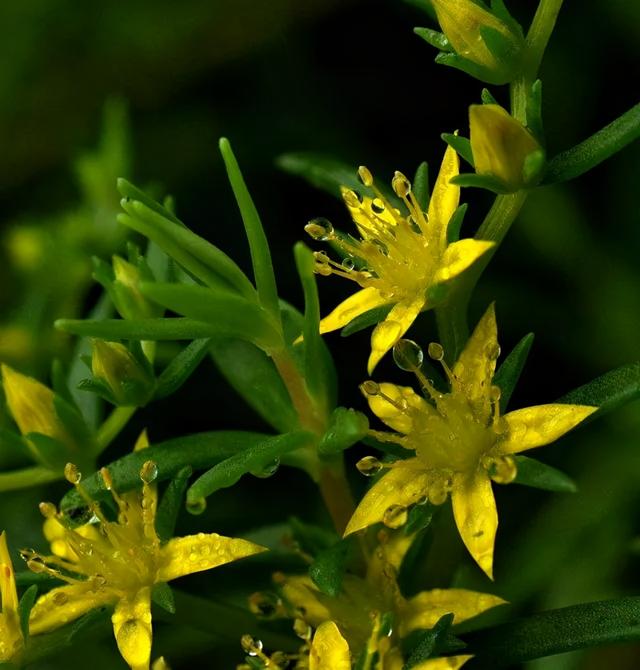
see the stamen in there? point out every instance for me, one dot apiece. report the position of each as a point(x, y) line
point(72, 474)
point(395, 516)
point(252, 647)
point(48, 510)
point(495, 393)
point(436, 352)
point(370, 388)
point(148, 474)
point(302, 629)
point(407, 355)
point(365, 176)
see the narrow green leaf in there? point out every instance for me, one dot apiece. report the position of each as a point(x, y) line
point(132, 192)
point(555, 632)
point(419, 518)
point(171, 503)
point(326, 173)
point(420, 185)
point(25, 606)
point(608, 392)
point(597, 148)
point(487, 97)
point(162, 595)
point(434, 38)
point(368, 318)
point(461, 145)
point(253, 375)
point(427, 641)
point(313, 359)
point(539, 475)
point(484, 181)
point(226, 311)
point(258, 243)
point(198, 451)
point(455, 223)
point(181, 368)
point(257, 458)
point(327, 570)
point(507, 375)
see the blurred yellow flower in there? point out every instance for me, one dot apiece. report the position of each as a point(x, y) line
point(405, 258)
point(461, 443)
point(119, 562)
point(11, 641)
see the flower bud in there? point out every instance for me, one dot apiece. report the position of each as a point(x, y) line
point(126, 380)
point(127, 295)
point(503, 148)
point(486, 46)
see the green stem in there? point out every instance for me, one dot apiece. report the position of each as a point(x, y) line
point(112, 426)
point(27, 477)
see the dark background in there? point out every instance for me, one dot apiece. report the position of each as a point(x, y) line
point(346, 78)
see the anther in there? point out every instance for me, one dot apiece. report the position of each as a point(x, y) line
point(401, 185)
point(320, 229)
point(106, 479)
point(149, 472)
point(350, 198)
point(435, 351)
point(72, 474)
point(302, 629)
point(251, 646)
point(370, 388)
point(365, 176)
point(48, 510)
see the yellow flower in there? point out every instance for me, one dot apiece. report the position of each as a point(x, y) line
point(119, 562)
point(11, 641)
point(365, 599)
point(503, 148)
point(486, 47)
point(405, 258)
point(460, 441)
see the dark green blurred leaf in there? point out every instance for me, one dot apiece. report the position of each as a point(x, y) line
point(25, 606)
point(323, 172)
point(420, 186)
point(312, 539)
point(419, 518)
point(346, 427)
point(258, 458)
point(461, 145)
point(162, 595)
point(426, 642)
point(455, 223)
point(327, 570)
point(171, 504)
point(509, 372)
point(181, 368)
point(434, 38)
point(541, 476)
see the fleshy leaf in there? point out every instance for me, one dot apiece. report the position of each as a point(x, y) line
point(539, 475)
point(181, 367)
point(327, 570)
point(507, 375)
point(171, 504)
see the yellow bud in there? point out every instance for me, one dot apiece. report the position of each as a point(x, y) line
point(31, 405)
point(116, 367)
point(134, 305)
point(466, 25)
point(501, 145)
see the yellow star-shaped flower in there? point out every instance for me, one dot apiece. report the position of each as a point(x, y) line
point(119, 562)
point(460, 441)
point(11, 641)
point(403, 257)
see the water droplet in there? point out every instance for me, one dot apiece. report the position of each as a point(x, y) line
point(148, 472)
point(348, 264)
point(197, 506)
point(98, 582)
point(492, 351)
point(268, 470)
point(501, 426)
point(495, 392)
point(106, 479)
point(401, 185)
point(369, 466)
point(395, 516)
point(407, 355)
point(435, 351)
point(72, 474)
point(36, 565)
point(48, 510)
point(503, 470)
point(438, 492)
point(60, 598)
point(377, 206)
point(250, 645)
point(381, 247)
point(370, 388)
point(302, 629)
point(320, 229)
point(365, 176)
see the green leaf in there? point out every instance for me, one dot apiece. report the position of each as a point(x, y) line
point(162, 595)
point(147, 329)
point(131, 192)
point(181, 368)
point(538, 475)
point(312, 539)
point(597, 148)
point(461, 145)
point(258, 243)
point(534, 111)
point(484, 181)
point(323, 172)
point(253, 375)
point(608, 392)
point(555, 632)
point(420, 185)
point(327, 570)
point(455, 223)
point(509, 372)
point(229, 313)
point(171, 504)
point(487, 97)
point(194, 253)
point(198, 451)
point(346, 427)
point(434, 38)
point(369, 318)
point(258, 458)
point(25, 606)
point(419, 518)
point(426, 642)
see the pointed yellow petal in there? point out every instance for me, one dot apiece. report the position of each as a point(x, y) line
point(66, 603)
point(194, 553)
point(132, 628)
point(355, 305)
point(458, 257)
point(8, 593)
point(402, 485)
point(476, 365)
point(447, 663)
point(445, 197)
point(329, 650)
point(387, 333)
point(474, 509)
point(536, 426)
point(390, 413)
point(424, 609)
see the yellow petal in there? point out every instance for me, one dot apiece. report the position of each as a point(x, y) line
point(474, 509)
point(402, 485)
point(446, 663)
point(390, 413)
point(66, 603)
point(445, 197)
point(458, 257)
point(329, 650)
point(387, 333)
point(424, 609)
point(8, 593)
point(194, 553)
point(132, 628)
point(476, 364)
point(536, 426)
point(355, 305)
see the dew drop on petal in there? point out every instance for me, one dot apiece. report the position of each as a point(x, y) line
point(395, 516)
point(407, 355)
point(348, 264)
point(369, 466)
